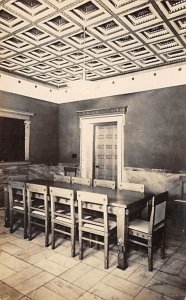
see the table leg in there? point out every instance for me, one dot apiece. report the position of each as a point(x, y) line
point(6, 204)
point(122, 228)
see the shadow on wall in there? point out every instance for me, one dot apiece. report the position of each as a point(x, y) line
point(155, 181)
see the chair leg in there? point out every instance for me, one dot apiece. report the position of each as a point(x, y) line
point(53, 235)
point(73, 228)
point(80, 246)
point(25, 226)
point(46, 232)
point(29, 228)
point(91, 244)
point(163, 246)
point(106, 252)
point(97, 239)
point(11, 220)
point(150, 254)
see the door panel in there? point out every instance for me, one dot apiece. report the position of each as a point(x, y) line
point(105, 152)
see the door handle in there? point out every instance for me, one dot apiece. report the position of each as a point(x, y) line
point(97, 167)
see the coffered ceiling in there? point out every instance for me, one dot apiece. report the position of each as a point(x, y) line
point(60, 41)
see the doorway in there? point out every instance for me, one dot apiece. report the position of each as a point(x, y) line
point(105, 151)
point(111, 118)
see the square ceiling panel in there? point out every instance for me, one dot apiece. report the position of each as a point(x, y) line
point(59, 25)
point(59, 47)
point(35, 35)
point(9, 21)
point(22, 60)
point(139, 17)
point(155, 33)
point(15, 43)
point(87, 12)
point(82, 39)
point(120, 6)
point(39, 54)
point(173, 8)
point(125, 42)
point(32, 10)
point(108, 29)
point(56, 42)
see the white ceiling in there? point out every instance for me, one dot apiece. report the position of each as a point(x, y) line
point(52, 42)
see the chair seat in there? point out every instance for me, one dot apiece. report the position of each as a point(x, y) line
point(37, 212)
point(41, 206)
point(139, 225)
point(18, 201)
point(64, 220)
point(60, 211)
point(76, 216)
point(100, 226)
point(18, 207)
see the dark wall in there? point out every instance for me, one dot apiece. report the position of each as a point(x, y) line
point(155, 130)
point(44, 125)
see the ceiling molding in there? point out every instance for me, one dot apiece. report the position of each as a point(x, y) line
point(142, 81)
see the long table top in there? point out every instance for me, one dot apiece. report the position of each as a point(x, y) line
point(117, 198)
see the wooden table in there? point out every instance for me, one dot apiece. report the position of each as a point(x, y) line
point(121, 204)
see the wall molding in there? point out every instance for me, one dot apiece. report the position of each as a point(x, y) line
point(16, 114)
point(102, 111)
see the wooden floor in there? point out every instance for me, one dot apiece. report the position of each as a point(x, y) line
point(28, 270)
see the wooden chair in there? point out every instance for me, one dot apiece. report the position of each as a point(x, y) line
point(83, 181)
point(63, 218)
point(104, 183)
point(62, 178)
point(18, 203)
point(150, 233)
point(38, 209)
point(180, 206)
point(70, 171)
point(94, 229)
point(144, 211)
point(137, 187)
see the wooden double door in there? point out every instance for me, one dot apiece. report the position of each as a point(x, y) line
point(105, 151)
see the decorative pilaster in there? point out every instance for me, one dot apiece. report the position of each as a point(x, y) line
point(27, 138)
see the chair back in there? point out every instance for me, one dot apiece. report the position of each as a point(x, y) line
point(94, 202)
point(37, 198)
point(80, 180)
point(136, 187)
point(70, 171)
point(104, 183)
point(62, 198)
point(62, 178)
point(158, 212)
point(17, 194)
point(18, 177)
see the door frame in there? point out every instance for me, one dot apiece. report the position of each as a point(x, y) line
point(87, 122)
